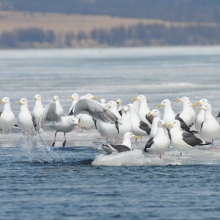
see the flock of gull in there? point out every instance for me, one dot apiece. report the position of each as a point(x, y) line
point(117, 122)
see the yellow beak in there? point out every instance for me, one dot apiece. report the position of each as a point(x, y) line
point(169, 125)
point(200, 109)
point(135, 99)
point(179, 100)
point(19, 103)
point(136, 137)
point(164, 125)
point(159, 105)
point(117, 103)
point(35, 98)
point(54, 99)
point(193, 105)
point(149, 114)
point(197, 103)
point(1, 102)
point(126, 111)
point(78, 124)
point(71, 97)
point(94, 97)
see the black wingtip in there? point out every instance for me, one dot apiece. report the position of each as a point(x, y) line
point(218, 115)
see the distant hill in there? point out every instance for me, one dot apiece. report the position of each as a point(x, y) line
point(168, 10)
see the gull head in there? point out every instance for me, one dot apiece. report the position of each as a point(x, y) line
point(74, 121)
point(5, 100)
point(37, 97)
point(90, 96)
point(188, 104)
point(154, 113)
point(206, 107)
point(23, 101)
point(202, 101)
point(140, 98)
point(74, 96)
point(165, 102)
point(129, 135)
point(183, 99)
point(118, 101)
point(125, 108)
point(56, 98)
point(161, 123)
point(174, 124)
point(130, 106)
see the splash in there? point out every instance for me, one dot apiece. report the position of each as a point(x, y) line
point(35, 150)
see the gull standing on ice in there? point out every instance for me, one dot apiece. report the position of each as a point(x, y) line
point(169, 115)
point(144, 110)
point(191, 110)
point(201, 116)
point(210, 127)
point(156, 117)
point(184, 140)
point(7, 119)
point(160, 143)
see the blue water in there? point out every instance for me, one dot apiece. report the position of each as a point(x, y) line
point(80, 181)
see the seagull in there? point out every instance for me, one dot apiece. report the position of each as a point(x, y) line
point(101, 114)
point(26, 122)
point(125, 146)
point(38, 107)
point(85, 120)
point(156, 117)
point(119, 107)
point(60, 123)
point(191, 110)
point(59, 108)
point(201, 116)
point(160, 142)
point(210, 127)
point(184, 140)
point(169, 115)
point(140, 128)
point(125, 124)
point(144, 110)
point(110, 130)
point(75, 98)
point(7, 119)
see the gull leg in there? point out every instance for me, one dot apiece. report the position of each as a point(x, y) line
point(54, 139)
point(214, 145)
point(100, 137)
point(64, 143)
point(186, 153)
point(136, 141)
point(181, 154)
point(82, 129)
point(160, 156)
point(106, 140)
point(141, 139)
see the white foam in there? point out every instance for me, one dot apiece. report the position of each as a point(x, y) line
point(138, 158)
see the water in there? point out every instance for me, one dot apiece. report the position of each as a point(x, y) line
point(81, 181)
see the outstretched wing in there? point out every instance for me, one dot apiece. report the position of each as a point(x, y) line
point(95, 109)
point(49, 114)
